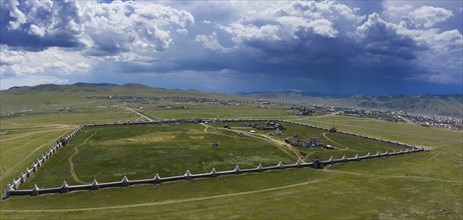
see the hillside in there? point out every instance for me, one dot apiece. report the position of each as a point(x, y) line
point(104, 89)
point(451, 105)
point(50, 96)
point(42, 96)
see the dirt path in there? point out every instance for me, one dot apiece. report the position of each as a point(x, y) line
point(27, 157)
point(31, 140)
point(422, 163)
point(389, 176)
point(281, 145)
point(140, 114)
point(30, 133)
point(318, 116)
point(168, 202)
point(71, 164)
point(345, 148)
point(206, 127)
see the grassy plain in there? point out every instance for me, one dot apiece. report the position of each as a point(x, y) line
point(415, 186)
point(204, 110)
point(24, 138)
point(138, 151)
point(343, 144)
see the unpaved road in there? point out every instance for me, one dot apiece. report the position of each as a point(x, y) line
point(71, 163)
point(140, 114)
point(170, 201)
point(280, 144)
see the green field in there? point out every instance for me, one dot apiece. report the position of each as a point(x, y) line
point(202, 110)
point(25, 138)
point(425, 185)
point(139, 151)
point(344, 144)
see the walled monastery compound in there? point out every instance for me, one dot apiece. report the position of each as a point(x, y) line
point(12, 188)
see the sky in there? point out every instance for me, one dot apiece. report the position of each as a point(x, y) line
point(338, 47)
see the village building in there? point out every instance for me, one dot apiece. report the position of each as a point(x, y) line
point(313, 142)
point(304, 110)
point(268, 125)
point(216, 120)
point(277, 132)
point(294, 141)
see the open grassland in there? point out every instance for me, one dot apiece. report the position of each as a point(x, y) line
point(273, 195)
point(203, 110)
point(44, 98)
point(24, 138)
point(432, 137)
point(19, 146)
point(75, 117)
point(444, 161)
point(414, 186)
point(139, 151)
point(344, 144)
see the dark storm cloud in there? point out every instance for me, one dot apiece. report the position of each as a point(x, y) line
point(337, 47)
point(380, 38)
point(38, 25)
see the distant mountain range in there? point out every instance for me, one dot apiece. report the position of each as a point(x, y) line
point(451, 104)
point(81, 88)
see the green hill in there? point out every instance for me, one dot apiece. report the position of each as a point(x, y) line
point(451, 105)
point(46, 96)
point(36, 97)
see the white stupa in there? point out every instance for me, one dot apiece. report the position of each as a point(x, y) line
point(237, 169)
point(94, 185)
point(260, 167)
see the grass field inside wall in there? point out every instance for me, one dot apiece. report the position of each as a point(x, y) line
point(108, 153)
point(140, 151)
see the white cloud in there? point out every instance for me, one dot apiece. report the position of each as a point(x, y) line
point(443, 60)
point(65, 68)
point(50, 61)
point(437, 52)
point(149, 37)
point(428, 16)
point(323, 27)
point(22, 70)
point(139, 27)
point(210, 42)
point(295, 22)
point(41, 24)
point(18, 17)
point(36, 30)
point(424, 16)
point(8, 57)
